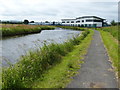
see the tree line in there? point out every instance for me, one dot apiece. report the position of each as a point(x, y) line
point(16, 22)
point(113, 23)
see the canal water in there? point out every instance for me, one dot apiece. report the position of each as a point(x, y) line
point(14, 47)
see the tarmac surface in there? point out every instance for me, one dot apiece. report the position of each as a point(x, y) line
point(96, 71)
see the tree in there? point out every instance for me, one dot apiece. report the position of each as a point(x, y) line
point(113, 23)
point(118, 23)
point(82, 25)
point(26, 21)
point(53, 22)
point(31, 21)
point(46, 22)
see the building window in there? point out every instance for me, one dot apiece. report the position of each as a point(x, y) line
point(77, 21)
point(72, 21)
point(94, 25)
point(89, 20)
point(85, 25)
point(78, 25)
point(67, 21)
point(82, 20)
point(97, 20)
point(89, 25)
point(82, 25)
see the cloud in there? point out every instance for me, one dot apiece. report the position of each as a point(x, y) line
point(56, 9)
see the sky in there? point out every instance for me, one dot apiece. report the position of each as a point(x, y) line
point(55, 10)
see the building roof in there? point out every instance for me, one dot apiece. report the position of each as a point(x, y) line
point(68, 19)
point(90, 17)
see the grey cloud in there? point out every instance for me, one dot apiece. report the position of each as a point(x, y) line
point(72, 9)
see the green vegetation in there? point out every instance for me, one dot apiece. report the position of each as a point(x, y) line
point(113, 30)
point(26, 21)
point(21, 29)
point(110, 39)
point(72, 27)
point(60, 75)
point(32, 67)
point(113, 23)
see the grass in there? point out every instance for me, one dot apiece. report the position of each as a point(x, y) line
point(72, 27)
point(112, 48)
point(113, 30)
point(22, 29)
point(60, 75)
point(32, 66)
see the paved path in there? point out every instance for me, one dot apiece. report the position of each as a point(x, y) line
point(96, 72)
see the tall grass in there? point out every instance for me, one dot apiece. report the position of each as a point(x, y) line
point(113, 48)
point(34, 64)
point(60, 75)
point(21, 29)
point(72, 27)
point(113, 30)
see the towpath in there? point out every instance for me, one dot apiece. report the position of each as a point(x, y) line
point(96, 72)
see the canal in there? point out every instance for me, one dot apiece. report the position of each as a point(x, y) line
point(14, 47)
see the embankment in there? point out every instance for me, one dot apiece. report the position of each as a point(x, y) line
point(34, 65)
point(22, 29)
point(110, 36)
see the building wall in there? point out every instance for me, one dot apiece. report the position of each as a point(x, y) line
point(82, 22)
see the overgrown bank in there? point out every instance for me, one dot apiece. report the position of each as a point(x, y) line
point(32, 66)
point(113, 30)
point(61, 74)
point(111, 40)
point(72, 27)
point(22, 29)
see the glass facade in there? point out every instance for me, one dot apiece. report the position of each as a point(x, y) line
point(89, 20)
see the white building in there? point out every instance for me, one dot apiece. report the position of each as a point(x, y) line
point(45, 23)
point(85, 21)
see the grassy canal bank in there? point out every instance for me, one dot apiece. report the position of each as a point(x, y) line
point(49, 67)
point(22, 29)
point(72, 27)
point(111, 39)
point(61, 74)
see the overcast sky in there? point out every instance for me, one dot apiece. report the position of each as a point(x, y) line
point(55, 10)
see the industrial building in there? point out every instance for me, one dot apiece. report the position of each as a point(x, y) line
point(85, 21)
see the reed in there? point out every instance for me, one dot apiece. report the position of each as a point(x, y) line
point(22, 29)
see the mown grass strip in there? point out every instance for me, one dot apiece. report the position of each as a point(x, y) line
point(112, 49)
point(60, 75)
